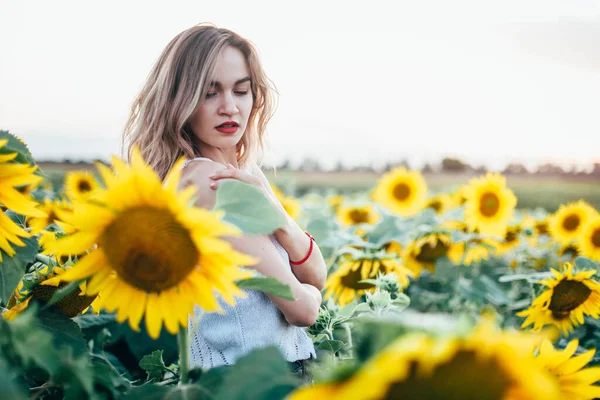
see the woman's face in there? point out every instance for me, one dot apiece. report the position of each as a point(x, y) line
point(221, 120)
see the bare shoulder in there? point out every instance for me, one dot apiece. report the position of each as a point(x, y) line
point(197, 173)
point(257, 171)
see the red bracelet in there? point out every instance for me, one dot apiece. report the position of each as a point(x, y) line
point(310, 249)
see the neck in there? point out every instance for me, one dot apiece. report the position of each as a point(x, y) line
point(220, 156)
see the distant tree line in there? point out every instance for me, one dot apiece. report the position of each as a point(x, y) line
point(447, 165)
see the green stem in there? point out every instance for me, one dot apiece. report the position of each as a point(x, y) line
point(349, 335)
point(182, 342)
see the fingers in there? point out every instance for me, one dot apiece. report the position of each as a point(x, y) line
point(227, 173)
point(232, 173)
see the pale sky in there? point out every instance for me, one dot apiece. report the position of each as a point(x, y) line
point(365, 81)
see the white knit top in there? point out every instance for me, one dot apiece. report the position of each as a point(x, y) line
point(253, 322)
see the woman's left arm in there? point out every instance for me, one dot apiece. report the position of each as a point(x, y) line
point(312, 271)
point(293, 239)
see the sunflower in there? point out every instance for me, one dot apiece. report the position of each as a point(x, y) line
point(458, 197)
point(11, 313)
point(567, 300)
point(510, 240)
point(277, 192)
point(472, 251)
point(402, 191)
point(575, 382)
point(566, 224)
point(51, 210)
point(440, 203)
point(335, 201)
point(41, 283)
point(453, 225)
point(350, 215)
point(155, 255)
point(395, 248)
point(292, 206)
point(13, 176)
point(541, 226)
point(423, 252)
point(569, 250)
point(490, 204)
point(344, 285)
point(80, 185)
point(589, 240)
point(487, 364)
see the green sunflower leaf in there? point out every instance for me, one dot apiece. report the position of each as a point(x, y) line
point(65, 332)
point(332, 346)
point(16, 145)
point(490, 290)
point(156, 392)
point(261, 375)
point(154, 365)
point(12, 270)
point(88, 320)
point(268, 285)
point(12, 387)
point(107, 378)
point(248, 208)
point(583, 263)
point(211, 379)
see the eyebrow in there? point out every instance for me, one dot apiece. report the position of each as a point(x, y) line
point(217, 84)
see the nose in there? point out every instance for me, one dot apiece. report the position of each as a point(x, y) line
point(228, 105)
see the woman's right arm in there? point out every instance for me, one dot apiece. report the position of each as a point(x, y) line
point(304, 309)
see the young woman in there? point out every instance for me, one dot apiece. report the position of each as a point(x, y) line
point(208, 98)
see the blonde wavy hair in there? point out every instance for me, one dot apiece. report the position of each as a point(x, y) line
point(177, 85)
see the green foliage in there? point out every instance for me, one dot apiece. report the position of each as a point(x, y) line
point(65, 332)
point(262, 374)
point(246, 207)
point(156, 392)
point(13, 268)
point(45, 355)
point(44, 346)
point(154, 365)
point(268, 285)
point(16, 145)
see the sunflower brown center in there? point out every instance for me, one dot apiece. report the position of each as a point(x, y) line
point(567, 296)
point(70, 305)
point(511, 235)
point(431, 253)
point(52, 217)
point(436, 205)
point(541, 227)
point(571, 222)
point(489, 204)
point(149, 248)
point(359, 216)
point(84, 186)
point(352, 281)
point(570, 250)
point(596, 238)
point(401, 191)
point(464, 377)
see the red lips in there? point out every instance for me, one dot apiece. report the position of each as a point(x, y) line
point(228, 127)
point(229, 124)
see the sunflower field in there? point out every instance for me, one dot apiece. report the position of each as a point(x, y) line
point(452, 294)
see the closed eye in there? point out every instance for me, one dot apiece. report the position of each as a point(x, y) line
point(237, 92)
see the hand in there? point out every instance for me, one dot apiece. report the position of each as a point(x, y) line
point(230, 172)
